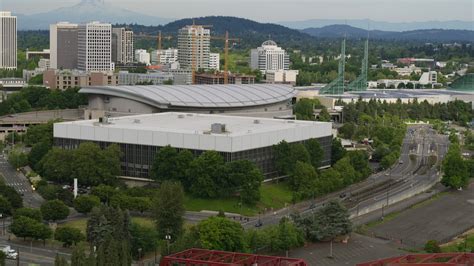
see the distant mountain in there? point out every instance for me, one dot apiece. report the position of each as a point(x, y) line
point(86, 10)
point(381, 25)
point(253, 33)
point(438, 35)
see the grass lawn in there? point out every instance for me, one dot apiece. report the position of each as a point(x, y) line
point(453, 246)
point(272, 196)
point(81, 224)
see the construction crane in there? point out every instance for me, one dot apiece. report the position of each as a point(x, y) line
point(158, 52)
point(226, 54)
point(159, 39)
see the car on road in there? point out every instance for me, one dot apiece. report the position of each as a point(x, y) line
point(259, 223)
point(9, 252)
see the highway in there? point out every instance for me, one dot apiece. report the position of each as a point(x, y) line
point(413, 172)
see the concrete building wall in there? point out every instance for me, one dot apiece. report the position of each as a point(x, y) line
point(95, 47)
point(63, 45)
point(117, 106)
point(8, 40)
point(122, 46)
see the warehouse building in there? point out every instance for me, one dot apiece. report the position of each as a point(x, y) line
point(260, 100)
point(235, 138)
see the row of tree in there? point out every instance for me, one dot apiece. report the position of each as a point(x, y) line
point(39, 98)
point(208, 175)
point(90, 164)
point(300, 162)
point(456, 169)
point(457, 110)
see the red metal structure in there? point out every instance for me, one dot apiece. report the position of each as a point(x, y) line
point(203, 257)
point(435, 259)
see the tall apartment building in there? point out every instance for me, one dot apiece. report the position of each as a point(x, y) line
point(95, 47)
point(142, 56)
point(122, 46)
point(167, 56)
point(269, 57)
point(194, 46)
point(8, 45)
point(214, 61)
point(63, 45)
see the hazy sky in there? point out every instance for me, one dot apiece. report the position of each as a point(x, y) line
point(278, 10)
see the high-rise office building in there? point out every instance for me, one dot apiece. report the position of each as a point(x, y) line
point(8, 59)
point(63, 45)
point(194, 47)
point(95, 47)
point(122, 46)
point(269, 57)
point(214, 61)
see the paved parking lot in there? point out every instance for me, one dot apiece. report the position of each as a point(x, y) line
point(358, 249)
point(441, 219)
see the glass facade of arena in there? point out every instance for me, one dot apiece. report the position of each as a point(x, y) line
point(138, 159)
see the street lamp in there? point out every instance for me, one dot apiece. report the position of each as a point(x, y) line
point(168, 239)
point(139, 255)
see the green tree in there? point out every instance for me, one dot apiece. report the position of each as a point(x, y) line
point(170, 164)
point(288, 236)
point(456, 174)
point(168, 209)
point(217, 233)
point(108, 229)
point(60, 261)
point(337, 151)
point(93, 166)
point(432, 246)
point(304, 109)
point(28, 212)
point(3, 257)
point(79, 257)
point(56, 165)
point(85, 203)
point(17, 158)
point(208, 175)
point(27, 227)
point(324, 115)
point(282, 155)
point(54, 210)
point(348, 173)
point(68, 236)
point(5, 206)
point(327, 223)
point(104, 192)
point(315, 151)
point(38, 151)
point(11, 195)
point(143, 238)
point(302, 179)
point(248, 179)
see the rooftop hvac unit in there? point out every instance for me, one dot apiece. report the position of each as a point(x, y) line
point(180, 116)
point(256, 121)
point(217, 128)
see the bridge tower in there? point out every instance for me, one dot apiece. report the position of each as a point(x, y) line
point(337, 86)
point(360, 83)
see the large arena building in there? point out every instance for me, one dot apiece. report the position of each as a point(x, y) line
point(236, 138)
point(255, 100)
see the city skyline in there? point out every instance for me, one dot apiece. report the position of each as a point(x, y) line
point(400, 11)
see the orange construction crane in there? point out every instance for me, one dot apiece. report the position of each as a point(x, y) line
point(158, 52)
point(226, 54)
